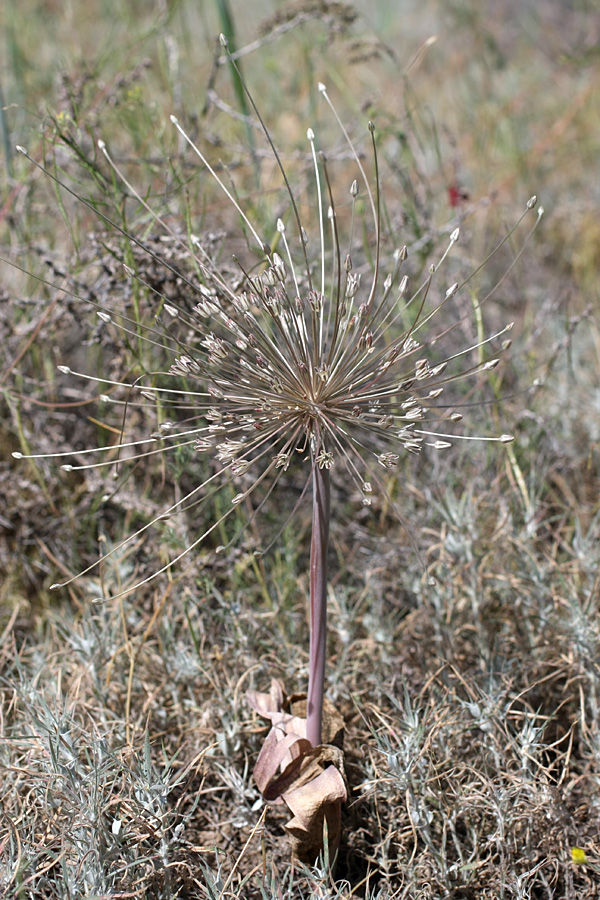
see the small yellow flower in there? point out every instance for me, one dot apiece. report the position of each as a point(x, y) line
point(578, 856)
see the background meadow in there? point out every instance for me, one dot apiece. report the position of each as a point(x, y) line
point(472, 703)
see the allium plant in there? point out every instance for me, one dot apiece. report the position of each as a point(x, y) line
point(307, 360)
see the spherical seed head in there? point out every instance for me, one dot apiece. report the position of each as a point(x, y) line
point(323, 363)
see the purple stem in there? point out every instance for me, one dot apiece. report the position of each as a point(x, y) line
point(318, 603)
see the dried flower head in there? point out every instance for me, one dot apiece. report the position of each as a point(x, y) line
point(309, 358)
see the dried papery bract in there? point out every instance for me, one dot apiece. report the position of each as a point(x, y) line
point(343, 373)
point(309, 780)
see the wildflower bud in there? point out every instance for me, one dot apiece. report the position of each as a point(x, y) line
point(128, 270)
point(279, 267)
point(322, 88)
point(352, 285)
point(452, 290)
point(21, 149)
point(403, 253)
point(310, 135)
point(506, 345)
point(455, 235)
point(506, 438)
point(104, 317)
point(354, 188)
point(387, 283)
point(431, 269)
point(348, 263)
point(531, 202)
point(17, 454)
point(238, 499)
point(455, 417)
point(372, 127)
point(491, 364)
point(440, 445)
point(239, 466)
point(315, 298)
point(403, 286)
point(282, 461)
point(269, 278)
point(66, 370)
point(223, 40)
point(325, 460)
point(280, 226)
point(330, 213)
point(303, 235)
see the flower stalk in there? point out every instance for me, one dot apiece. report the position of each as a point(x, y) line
point(318, 602)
